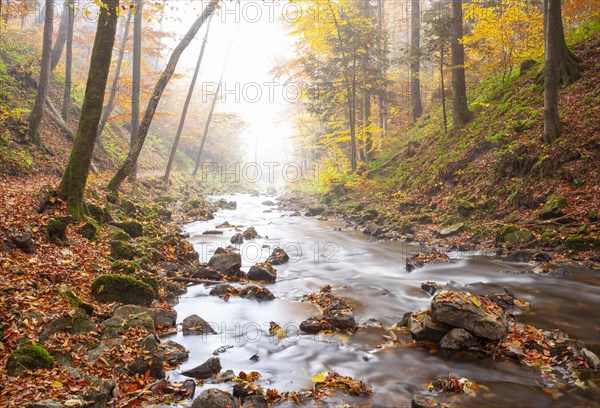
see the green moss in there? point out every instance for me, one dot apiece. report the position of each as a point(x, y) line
point(122, 288)
point(512, 234)
point(124, 250)
point(28, 358)
point(553, 207)
point(593, 216)
point(117, 234)
point(96, 212)
point(126, 267)
point(57, 228)
point(90, 230)
point(75, 301)
point(133, 228)
point(582, 243)
point(78, 323)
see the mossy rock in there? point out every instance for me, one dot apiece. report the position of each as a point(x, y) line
point(75, 301)
point(166, 199)
point(78, 323)
point(89, 230)
point(122, 288)
point(133, 228)
point(148, 279)
point(367, 217)
point(128, 207)
point(513, 235)
point(372, 211)
point(96, 212)
point(125, 267)
point(28, 358)
point(582, 243)
point(124, 250)
point(553, 207)
point(125, 317)
point(117, 234)
point(592, 216)
point(583, 230)
point(423, 219)
point(57, 228)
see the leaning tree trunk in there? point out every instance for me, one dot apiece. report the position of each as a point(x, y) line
point(35, 117)
point(68, 60)
point(74, 179)
point(186, 106)
point(136, 148)
point(460, 109)
point(415, 60)
point(207, 126)
point(136, 80)
point(61, 37)
point(552, 74)
point(115, 83)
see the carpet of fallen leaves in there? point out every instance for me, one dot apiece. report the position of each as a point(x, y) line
point(31, 287)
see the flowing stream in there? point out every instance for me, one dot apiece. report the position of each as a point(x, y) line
point(371, 276)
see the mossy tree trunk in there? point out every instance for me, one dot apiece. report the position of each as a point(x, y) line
point(460, 108)
point(70, 11)
point(115, 83)
point(186, 106)
point(35, 117)
point(74, 179)
point(134, 152)
point(136, 80)
point(61, 37)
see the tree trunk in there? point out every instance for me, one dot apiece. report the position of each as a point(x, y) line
point(61, 37)
point(136, 148)
point(552, 69)
point(74, 179)
point(460, 109)
point(115, 83)
point(367, 125)
point(136, 80)
point(35, 117)
point(186, 106)
point(70, 11)
point(206, 127)
point(415, 60)
point(443, 85)
point(380, 101)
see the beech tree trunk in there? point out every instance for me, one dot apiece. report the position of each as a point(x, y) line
point(136, 80)
point(415, 60)
point(380, 97)
point(443, 86)
point(186, 105)
point(61, 37)
point(552, 70)
point(367, 124)
point(136, 148)
point(115, 83)
point(74, 179)
point(70, 11)
point(35, 117)
point(460, 109)
point(207, 126)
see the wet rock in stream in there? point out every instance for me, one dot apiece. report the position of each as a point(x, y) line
point(215, 398)
point(262, 272)
point(210, 367)
point(227, 262)
point(336, 314)
point(250, 233)
point(194, 324)
point(278, 257)
point(253, 292)
point(420, 259)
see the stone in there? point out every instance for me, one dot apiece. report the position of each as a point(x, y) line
point(57, 229)
point(24, 240)
point(125, 317)
point(423, 328)
point(424, 401)
point(173, 352)
point(98, 396)
point(519, 256)
point(117, 234)
point(44, 197)
point(123, 289)
point(226, 261)
point(457, 339)
point(120, 249)
point(194, 324)
point(212, 232)
point(591, 358)
point(278, 257)
point(513, 235)
point(78, 323)
point(221, 290)
point(29, 357)
point(256, 293)
point(255, 401)
point(262, 271)
point(250, 233)
point(553, 208)
point(133, 228)
point(451, 230)
point(474, 313)
point(268, 202)
point(205, 370)
point(237, 239)
point(373, 229)
point(206, 273)
point(89, 231)
point(542, 257)
point(47, 403)
point(151, 360)
point(163, 317)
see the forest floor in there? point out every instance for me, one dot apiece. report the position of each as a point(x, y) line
point(493, 184)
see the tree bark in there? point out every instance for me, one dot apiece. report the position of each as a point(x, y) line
point(367, 125)
point(553, 48)
point(35, 117)
point(115, 83)
point(136, 148)
point(70, 11)
point(460, 109)
point(75, 177)
point(186, 105)
point(415, 59)
point(443, 85)
point(61, 37)
point(136, 80)
point(380, 97)
point(206, 127)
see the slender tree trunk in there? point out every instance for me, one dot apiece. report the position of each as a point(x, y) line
point(552, 70)
point(380, 97)
point(443, 85)
point(136, 148)
point(35, 117)
point(415, 59)
point(460, 109)
point(61, 37)
point(367, 125)
point(70, 11)
point(136, 79)
point(115, 83)
point(207, 126)
point(186, 105)
point(74, 179)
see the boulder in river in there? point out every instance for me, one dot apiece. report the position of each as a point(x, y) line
point(263, 272)
point(256, 293)
point(250, 233)
point(423, 328)
point(206, 273)
point(228, 262)
point(373, 229)
point(420, 259)
point(205, 370)
point(215, 398)
point(278, 256)
point(194, 324)
point(237, 239)
point(457, 339)
point(150, 360)
point(268, 202)
point(336, 314)
point(474, 313)
point(173, 352)
point(451, 230)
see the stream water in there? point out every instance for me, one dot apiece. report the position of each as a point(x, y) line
point(371, 276)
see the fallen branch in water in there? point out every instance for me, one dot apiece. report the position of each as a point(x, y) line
point(196, 281)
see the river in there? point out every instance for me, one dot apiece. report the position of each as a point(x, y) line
point(371, 277)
